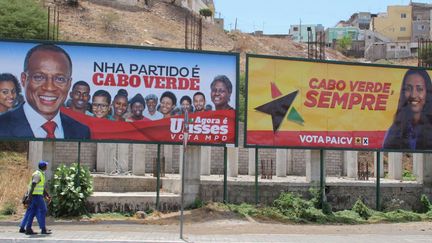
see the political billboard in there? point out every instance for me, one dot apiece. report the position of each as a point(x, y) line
point(300, 103)
point(90, 92)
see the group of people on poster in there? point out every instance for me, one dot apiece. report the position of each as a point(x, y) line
point(47, 86)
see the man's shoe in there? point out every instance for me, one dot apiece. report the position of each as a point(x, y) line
point(46, 232)
point(22, 230)
point(30, 232)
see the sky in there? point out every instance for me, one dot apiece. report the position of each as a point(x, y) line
point(276, 16)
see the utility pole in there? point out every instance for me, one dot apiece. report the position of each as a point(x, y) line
point(235, 26)
point(300, 31)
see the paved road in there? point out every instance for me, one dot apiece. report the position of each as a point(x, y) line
point(223, 231)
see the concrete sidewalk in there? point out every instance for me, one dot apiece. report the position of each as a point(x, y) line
point(91, 233)
point(119, 232)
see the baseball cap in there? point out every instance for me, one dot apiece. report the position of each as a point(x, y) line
point(42, 163)
point(151, 97)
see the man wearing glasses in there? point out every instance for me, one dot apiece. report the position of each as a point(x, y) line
point(46, 81)
point(100, 104)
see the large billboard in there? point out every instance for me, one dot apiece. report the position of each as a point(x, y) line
point(299, 103)
point(66, 91)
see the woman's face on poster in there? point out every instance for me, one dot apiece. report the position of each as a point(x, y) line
point(415, 92)
point(219, 94)
point(7, 95)
point(166, 105)
point(185, 105)
point(120, 105)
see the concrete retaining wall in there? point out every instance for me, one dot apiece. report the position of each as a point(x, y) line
point(340, 196)
point(103, 183)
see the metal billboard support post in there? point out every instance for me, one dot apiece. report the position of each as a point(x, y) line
point(256, 176)
point(158, 169)
point(322, 183)
point(225, 191)
point(377, 175)
point(185, 139)
point(77, 180)
point(182, 192)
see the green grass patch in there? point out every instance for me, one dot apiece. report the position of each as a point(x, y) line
point(408, 176)
point(397, 216)
point(243, 209)
point(291, 208)
point(9, 208)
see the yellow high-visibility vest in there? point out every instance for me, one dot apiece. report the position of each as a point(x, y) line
point(39, 188)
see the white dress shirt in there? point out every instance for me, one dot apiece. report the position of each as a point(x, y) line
point(36, 121)
point(156, 116)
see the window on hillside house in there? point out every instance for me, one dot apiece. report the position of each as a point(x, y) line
point(295, 28)
point(403, 15)
point(402, 47)
point(402, 29)
point(421, 27)
point(392, 47)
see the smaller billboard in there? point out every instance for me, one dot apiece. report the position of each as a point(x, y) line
point(299, 103)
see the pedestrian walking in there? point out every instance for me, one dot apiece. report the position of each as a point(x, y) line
point(36, 203)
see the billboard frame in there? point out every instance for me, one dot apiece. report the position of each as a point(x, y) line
point(248, 55)
point(236, 55)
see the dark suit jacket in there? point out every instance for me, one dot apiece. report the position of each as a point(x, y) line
point(15, 124)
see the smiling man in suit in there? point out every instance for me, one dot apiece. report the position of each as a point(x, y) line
point(46, 80)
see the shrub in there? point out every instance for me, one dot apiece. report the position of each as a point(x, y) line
point(243, 209)
point(363, 210)
point(426, 54)
point(198, 203)
point(396, 216)
point(109, 21)
point(22, 19)
point(344, 43)
point(206, 12)
point(298, 209)
point(425, 203)
point(70, 190)
point(292, 205)
point(316, 200)
point(347, 217)
point(408, 176)
point(9, 208)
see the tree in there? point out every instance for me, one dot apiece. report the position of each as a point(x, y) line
point(425, 54)
point(22, 19)
point(206, 12)
point(344, 43)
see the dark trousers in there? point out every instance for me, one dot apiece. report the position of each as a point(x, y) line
point(37, 206)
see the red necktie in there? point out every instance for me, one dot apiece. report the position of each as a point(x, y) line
point(49, 127)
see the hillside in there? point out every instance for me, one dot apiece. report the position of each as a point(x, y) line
point(162, 25)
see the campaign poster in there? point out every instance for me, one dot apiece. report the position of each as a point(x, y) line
point(90, 92)
point(299, 103)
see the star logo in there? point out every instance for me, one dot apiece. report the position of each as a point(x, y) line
point(358, 140)
point(278, 108)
